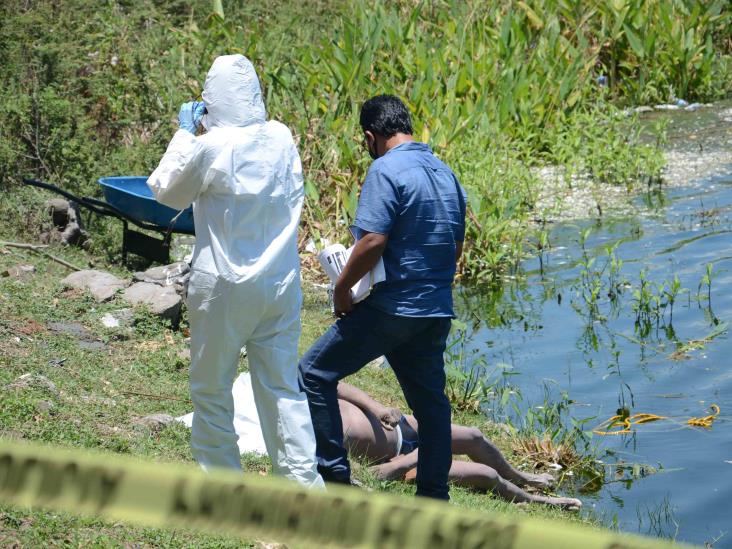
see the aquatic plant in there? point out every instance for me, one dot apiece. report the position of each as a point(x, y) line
point(549, 435)
point(465, 370)
point(471, 385)
point(671, 292)
point(706, 282)
point(544, 434)
point(661, 520)
point(598, 285)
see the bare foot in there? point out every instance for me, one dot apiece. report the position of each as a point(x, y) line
point(568, 504)
point(542, 481)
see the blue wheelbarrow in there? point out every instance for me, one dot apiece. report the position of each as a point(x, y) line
point(130, 200)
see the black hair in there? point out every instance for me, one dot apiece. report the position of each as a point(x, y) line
point(386, 115)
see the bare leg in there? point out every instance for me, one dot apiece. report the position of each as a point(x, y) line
point(471, 442)
point(484, 478)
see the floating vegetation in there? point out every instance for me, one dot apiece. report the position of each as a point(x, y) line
point(621, 471)
point(682, 353)
point(541, 451)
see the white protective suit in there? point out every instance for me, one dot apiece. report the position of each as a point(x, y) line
point(244, 178)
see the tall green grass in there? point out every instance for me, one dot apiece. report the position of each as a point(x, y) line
point(496, 88)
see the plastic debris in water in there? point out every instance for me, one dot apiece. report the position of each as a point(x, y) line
point(705, 421)
point(626, 422)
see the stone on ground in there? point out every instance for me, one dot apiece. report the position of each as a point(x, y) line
point(45, 406)
point(84, 338)
point(163, 301)
point(74, 329)
point(165, 275)
point(155, 421)
point(20, 272)
point(102, 286)
point(68, 227)
point(26, 381)
point(58, 208)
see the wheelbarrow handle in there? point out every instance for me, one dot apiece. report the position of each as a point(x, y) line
point(52, 188)
point(116, 212)
point(103, 208)
point(97, 206)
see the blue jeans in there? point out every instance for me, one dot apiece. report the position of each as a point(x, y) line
point(414, 348)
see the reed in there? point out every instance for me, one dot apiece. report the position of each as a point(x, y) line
point(496, 88)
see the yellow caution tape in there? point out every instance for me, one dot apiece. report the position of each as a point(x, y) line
point(173, 495)
point(625, 423)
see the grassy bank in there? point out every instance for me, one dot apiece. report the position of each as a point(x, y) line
point(495, 88)
point(101, 394)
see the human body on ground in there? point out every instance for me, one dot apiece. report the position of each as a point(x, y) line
point(379, 434)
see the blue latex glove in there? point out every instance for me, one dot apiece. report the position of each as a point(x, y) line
point(189, 116)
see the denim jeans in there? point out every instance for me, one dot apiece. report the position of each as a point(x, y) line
point(414, 348)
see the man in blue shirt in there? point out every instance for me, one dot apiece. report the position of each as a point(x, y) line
point(411, 212)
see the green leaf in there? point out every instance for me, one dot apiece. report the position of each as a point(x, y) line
point(634, 42)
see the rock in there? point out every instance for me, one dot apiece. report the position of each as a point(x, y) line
point(121, 318)
point(74, 329)
point(21, 272)
point(643, 108)
point(667, 107)
point(67, 221)
point(44, 406)
point(155, 421)
point(74, 234)
point(26, 381)
point(184, 354)
point(92, 345)
point(166, 275)
point(59, 209)
point(85, 339)
point(163, 301)
point(102, 286)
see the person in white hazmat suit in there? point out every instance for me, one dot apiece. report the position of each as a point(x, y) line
point(244, 178)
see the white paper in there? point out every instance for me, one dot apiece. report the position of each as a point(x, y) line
point(334, 258)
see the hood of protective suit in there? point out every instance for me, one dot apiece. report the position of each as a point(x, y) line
point(232, 93)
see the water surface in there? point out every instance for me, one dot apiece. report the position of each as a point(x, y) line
point(603, 365)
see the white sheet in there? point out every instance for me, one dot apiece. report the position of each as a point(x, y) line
point(246, 419)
